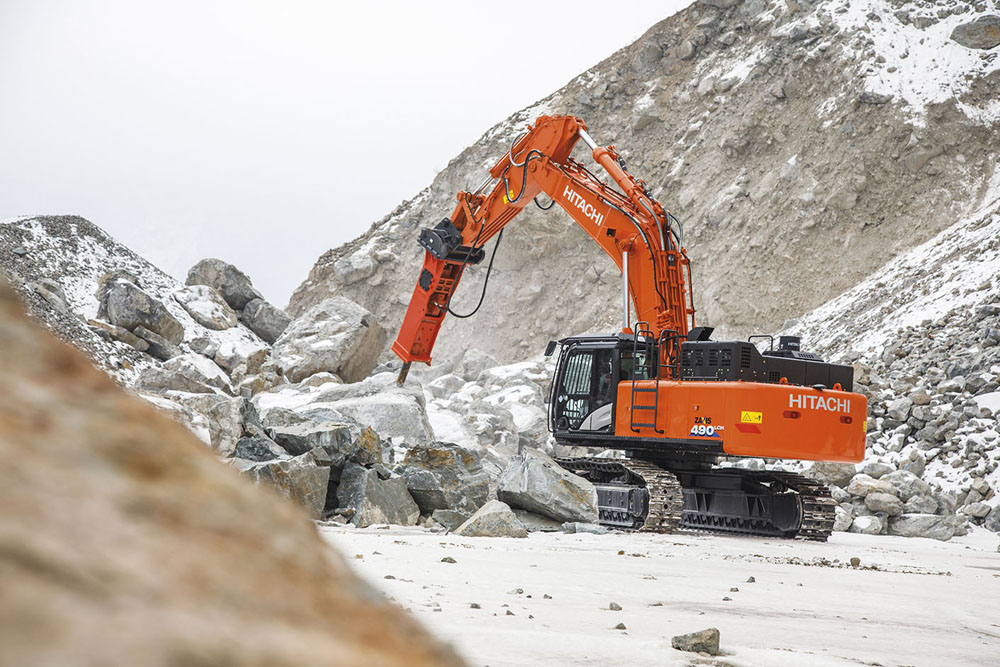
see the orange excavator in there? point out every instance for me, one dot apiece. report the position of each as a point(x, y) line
point(675, 401)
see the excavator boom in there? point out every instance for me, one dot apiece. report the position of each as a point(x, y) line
point(640, 236)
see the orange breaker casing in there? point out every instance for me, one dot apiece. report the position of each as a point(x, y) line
point(755, 419)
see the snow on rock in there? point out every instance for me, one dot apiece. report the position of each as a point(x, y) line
point(206, 306)
point(336, 336)
point(918, 55)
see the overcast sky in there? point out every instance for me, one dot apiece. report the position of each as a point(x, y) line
point(264, 133)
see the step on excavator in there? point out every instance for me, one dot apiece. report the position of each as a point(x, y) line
point(676, 402)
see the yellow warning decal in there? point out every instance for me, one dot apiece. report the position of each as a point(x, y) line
point(864, 426)
point(508, 197)
point(747, 417)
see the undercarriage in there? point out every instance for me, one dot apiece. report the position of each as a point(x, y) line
point(662, 497)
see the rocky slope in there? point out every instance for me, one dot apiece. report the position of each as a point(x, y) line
point(125, 542)
point(803, 144)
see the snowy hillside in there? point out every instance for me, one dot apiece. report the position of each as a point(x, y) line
point(803, 144)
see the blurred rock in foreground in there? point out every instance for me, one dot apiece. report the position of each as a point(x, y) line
point(124, 541)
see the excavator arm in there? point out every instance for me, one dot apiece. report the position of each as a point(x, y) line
point(641, 237)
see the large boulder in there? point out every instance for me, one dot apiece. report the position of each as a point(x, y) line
point(157, 346)
point(336, 336)
point(333, 437)
point(703, 641)
point(838, 474)
point(128, 306)
point(534, 482)
point(234, 285)
point(258, 447)
point(494, 519)
point(906, 485)
point(191, 373)
point(206, 306)
point(443, 476)
point(265, 320)
point(473, 363)
point(375, 500)
point(922, 525)
point(300, 479)
point(862, 484)
point(982, 33)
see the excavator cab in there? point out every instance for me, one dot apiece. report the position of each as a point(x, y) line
point(585, 385)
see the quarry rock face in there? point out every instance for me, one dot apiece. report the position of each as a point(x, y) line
point(234, 285)
point(534, 482)
point(336, 336)
point(445, 476)
point(138, 485)
point(494, 519)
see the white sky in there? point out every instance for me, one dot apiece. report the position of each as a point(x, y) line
point(266, 133)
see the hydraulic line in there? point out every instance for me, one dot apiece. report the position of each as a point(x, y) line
point(486, 282)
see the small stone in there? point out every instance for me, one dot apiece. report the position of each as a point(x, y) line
point(474, 605)
point(620, 626)
point(546, 597)
point(727, 599)
point(388, 576)
point(448, 559)
point(510, 613)
point(614, 606)
point(855, 561)
point(703, 641)
point(20, 251)
point(751, 580)
point(734, 590)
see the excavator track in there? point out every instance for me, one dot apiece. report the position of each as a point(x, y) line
point(814, 509)
point(670, 507)
point(663, 506)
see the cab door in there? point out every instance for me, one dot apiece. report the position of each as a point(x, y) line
point(583, 397)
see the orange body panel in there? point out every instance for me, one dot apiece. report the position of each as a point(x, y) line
point(754, 419)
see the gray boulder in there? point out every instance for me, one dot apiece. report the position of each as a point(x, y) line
point(920, 504)
point(577, 527)
point(877, 469)
point(703, 641)
point(923, 525)
point(301, 479)
point(127, 306)
point(838, 474)
point(206, 306)
point(333, 437)
point(258, 448)
point(899, 409)
point(450, 519)
point(862, 485)
point(111, 332)
point(536, 523)
point(157, 346)
point(843, 519)
point(992, 520)
point(443, 475)
point(234, 285)
point(534, 482)
point(375, 500)
point(188, 372)
point(983, 33)
point(906, 485)
point(336, 336)
point(265, 320)
point(494, 519)
point(884, 502)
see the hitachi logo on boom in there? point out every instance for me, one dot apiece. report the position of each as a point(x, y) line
point(576, 199)
point(813, 402)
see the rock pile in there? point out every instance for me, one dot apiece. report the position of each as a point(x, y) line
point(933, 444)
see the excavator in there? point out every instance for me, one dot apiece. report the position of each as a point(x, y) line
point(680, 406)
